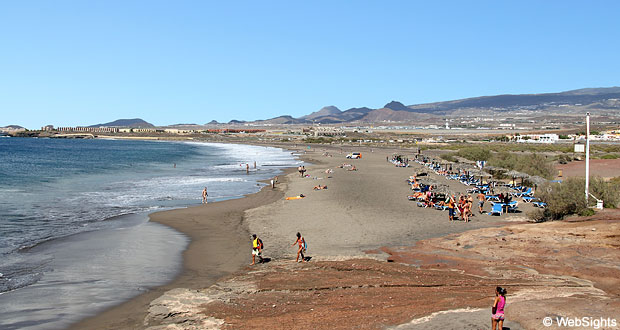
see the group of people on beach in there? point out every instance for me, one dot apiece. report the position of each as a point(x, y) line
point(258, 246)
point(462, 206)
point(301, 170)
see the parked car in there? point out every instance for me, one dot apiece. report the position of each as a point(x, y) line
point(355, 155)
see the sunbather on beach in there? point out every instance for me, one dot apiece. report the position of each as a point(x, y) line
point(295, 197)
point(319, 187)
point(301, 248)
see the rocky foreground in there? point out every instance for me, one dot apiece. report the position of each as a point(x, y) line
point(564, 268)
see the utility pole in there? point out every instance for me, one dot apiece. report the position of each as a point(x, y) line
point(587, 155)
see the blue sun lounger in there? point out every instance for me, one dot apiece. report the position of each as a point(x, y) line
point(542, 205)
point(528, 199)
point(498, 209)
point(528, 192)
point(512, 206)
point(492, 198)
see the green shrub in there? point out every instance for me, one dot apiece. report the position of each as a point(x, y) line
point(564, 198)
point(532, 164)
point(568, 198)
point(449, 157)
point(564, 158)
point(317, 140)
point(475, 153)
point(610, 156)
point(538, 215)
point(606, 191)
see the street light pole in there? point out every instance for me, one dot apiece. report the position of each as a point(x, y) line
point(587, 155)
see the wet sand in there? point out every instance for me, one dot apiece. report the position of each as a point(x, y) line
point(218, 247)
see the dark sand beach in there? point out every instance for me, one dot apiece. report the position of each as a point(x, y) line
point(218, 247)
point(377, 260)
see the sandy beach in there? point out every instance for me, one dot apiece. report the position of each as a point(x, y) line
point(218, 247)
point(377, 260)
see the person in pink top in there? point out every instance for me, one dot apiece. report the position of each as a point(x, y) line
point(497, 318)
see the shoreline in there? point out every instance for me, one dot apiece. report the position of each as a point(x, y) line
point(194, 275)
point(217, 234)
point(221, 243)
point(395, 255)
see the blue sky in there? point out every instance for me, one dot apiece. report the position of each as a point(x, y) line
point(87, 62)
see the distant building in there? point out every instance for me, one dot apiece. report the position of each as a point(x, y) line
point(47, 128)
point(538, 138)
point(88, 129)
point(143, 130)
point(326, 131)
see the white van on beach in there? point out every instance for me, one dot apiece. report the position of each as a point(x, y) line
point(354, 155)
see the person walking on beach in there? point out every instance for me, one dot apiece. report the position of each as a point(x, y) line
point(497, 311)
point(481, 199)
point(204, 196)
point(451, 210)
point(301, 249)
point(247, 168)
point(257, 250)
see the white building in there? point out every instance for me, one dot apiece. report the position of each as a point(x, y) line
point(538, 138)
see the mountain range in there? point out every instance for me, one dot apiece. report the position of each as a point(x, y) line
point(587, 98)
point(579, 100)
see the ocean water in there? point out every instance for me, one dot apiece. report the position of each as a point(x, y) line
point(74, 231)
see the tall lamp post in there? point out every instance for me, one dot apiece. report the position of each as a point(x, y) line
point(587, 155)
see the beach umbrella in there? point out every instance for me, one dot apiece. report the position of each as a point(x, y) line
point(537, 180)
point(515, 174)
point(424, 170)
point(502, 189)
point(443, 189)
point(428, 181)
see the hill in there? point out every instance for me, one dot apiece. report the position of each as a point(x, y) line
point(582, 97)
point(136, 122)
point(12, 127)
point(563, 102)
point(324, 112)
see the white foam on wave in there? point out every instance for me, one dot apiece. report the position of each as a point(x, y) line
point(183, 181)
point(249, 153)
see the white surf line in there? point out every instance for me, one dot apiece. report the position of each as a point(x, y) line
point(432, 316)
